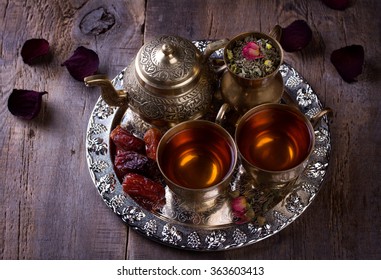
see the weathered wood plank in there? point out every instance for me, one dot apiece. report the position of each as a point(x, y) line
point(51, 209)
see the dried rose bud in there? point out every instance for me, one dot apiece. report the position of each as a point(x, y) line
point(337, 4)
point(239, 205)
point(296, 36)
point(349, 62)
point(251, 51)
point(33, 50)
point(25, 104)
point(84, 62)
point(241, 210)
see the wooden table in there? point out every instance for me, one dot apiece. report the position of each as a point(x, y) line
point(49, 207)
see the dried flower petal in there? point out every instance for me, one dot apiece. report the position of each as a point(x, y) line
point(25, 104)
point(349, 62)
point(241, 210)
point(33, 50)
point(84, 62)
point(251, 51)
point(296, 36)
point(239, 205)
point(337, 4)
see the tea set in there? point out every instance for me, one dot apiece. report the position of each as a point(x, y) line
point(170, 84)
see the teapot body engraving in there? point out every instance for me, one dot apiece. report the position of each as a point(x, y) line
point(168, 82)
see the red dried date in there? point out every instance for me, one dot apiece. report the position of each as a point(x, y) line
point(124, 140)
point(152, 138)
point(130, 161)
point(144, 191)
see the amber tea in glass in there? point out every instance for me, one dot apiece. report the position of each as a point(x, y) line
point(197, 156)
point(275, 139)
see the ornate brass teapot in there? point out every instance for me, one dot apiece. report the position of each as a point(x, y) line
point(168, 82)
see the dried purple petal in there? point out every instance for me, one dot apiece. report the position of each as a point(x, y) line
point(33, 50)
point(25, 104)
point(296, 36)
point(349, 62)
point(84, 62)
point(337, 4)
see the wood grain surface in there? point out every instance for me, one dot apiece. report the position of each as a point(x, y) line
point(49, 207)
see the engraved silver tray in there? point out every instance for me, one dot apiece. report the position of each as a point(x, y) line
point(181, 226)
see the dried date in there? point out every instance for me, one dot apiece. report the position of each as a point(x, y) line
point(152, 138)
point(124, 140)
point(130, 161)
point(144, 191)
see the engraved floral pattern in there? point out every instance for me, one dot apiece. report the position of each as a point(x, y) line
point(97, 146)
point(312, 112)
point(215, 239)
point(294, 80)
point(168, 72)
point(193, 240)
point(150, 228)
point(106, 184)
point(280, 218)
point(102, 110)
point(97, 128)
point(306, 96)
point(309, 188)
point(322, 135)
point(239, 237)
point(175, 109)
point(254, 230)
point(321, 151)
point(171, 234)
point(294, 204)
point(260, 231)
point(132, 214)
point(98, 166)
point(316, 170)
point(266, 230)
point(117, 203)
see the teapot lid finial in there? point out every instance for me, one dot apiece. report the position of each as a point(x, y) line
point(167, 49)
point(168, 62)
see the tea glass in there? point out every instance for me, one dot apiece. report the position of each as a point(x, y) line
point(275, 143)
point(197, 159)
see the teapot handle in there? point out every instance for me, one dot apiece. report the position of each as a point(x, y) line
point(213, 46)
point(221, 113)
point(109, 94)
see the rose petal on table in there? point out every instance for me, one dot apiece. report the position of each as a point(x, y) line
point(84, 62)
point(296, 36)
point(33, 49)
point(337, 4)
point(349, 62)
point(25, 104)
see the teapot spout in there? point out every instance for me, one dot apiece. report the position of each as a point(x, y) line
point(109, 94)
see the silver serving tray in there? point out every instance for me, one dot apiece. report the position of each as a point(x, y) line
point(177, 224)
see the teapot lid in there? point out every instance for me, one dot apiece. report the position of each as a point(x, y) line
point(168, 64)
